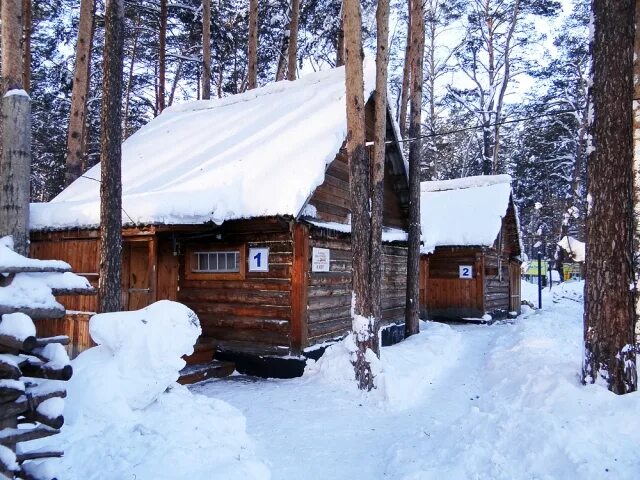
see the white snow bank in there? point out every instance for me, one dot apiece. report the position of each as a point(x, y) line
point(126, 418)
point(575, 248)
point(527, 415)
point(138, 356)
point(258, 153)
point(463, 212)
point(180, 435)
point(397, 387)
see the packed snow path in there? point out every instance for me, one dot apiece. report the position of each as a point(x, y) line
point(467, 401)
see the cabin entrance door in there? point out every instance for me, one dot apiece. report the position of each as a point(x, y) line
point(138, 267)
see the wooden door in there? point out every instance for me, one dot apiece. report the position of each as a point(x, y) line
point(514, 287)
point(137, 274)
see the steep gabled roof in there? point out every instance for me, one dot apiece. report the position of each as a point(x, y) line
point(259, 153)
point(463, 212)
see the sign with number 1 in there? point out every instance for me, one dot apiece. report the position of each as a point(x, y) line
point(466, 271)
point(258, 259)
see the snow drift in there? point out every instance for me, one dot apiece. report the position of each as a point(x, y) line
point(126, 416)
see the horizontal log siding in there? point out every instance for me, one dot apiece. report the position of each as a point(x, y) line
point(250, 315)
point(329, 293)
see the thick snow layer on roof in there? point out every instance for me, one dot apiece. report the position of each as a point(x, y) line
point(463, 212)
point(259, 153)
point(575, 248)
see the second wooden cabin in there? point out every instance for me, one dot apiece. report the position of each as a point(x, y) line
point(470, 262)
point(239, 208)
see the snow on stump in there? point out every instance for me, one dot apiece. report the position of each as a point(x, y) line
point(139, 355)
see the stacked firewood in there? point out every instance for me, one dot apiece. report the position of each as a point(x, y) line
point(33, 370)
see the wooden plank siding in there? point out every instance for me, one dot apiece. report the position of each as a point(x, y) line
point(329, 293)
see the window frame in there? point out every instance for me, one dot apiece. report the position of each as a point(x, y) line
point(191, 271)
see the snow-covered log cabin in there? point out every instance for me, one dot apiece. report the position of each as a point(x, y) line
point(470, 262)
point(239, 208)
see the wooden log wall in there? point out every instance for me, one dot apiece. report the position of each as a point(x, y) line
point(329, 293)
point(251, 314)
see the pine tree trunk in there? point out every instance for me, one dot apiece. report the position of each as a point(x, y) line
point(206, 49)
point(377, 170)
point(127, 92)
point(162, 57)
point(359, 187)
point(406, 79)
point(75, 150)
point(15, 162)
point(636, 160)
point(252, 75)
point(293, 41)
point(609, 317)
point(415, 151)
point(110, 156)
point(27, 20)
point(340, 43)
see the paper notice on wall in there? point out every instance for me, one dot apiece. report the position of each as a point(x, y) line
point(321, 260)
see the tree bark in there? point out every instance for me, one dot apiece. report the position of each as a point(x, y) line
point(377, 170)
point(206, 49)
point(359, 189)
point(636, 159)
point(340, 43)
point(162, 56)
point(609, 317)
point(79, 92)
point(252, 73)
point(415, 152)
point(27, 20)
point(293, 40)
point(111, 154)
point(15, 162)
point(406, 79)
point(127, 93)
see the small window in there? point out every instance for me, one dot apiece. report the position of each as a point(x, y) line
point(216, 262)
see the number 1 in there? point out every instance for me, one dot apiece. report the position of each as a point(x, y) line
point(257, 258)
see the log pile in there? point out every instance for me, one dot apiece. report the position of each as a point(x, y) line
point(33, 370)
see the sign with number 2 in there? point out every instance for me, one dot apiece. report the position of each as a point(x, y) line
point(466, 271)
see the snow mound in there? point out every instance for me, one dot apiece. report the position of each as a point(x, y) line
point(126, 416)
point(180, 435)
point(138, 356)
point(335, 367)
point(397, 387)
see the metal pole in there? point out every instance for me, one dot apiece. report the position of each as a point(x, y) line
point(539, 280)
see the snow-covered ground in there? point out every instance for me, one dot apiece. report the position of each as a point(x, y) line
point(457, 402)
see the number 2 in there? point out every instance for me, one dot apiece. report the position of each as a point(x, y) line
point(465, 272)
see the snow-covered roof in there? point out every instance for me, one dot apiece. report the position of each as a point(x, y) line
point(463, 212)
point(575, 248)
point(258, 153)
